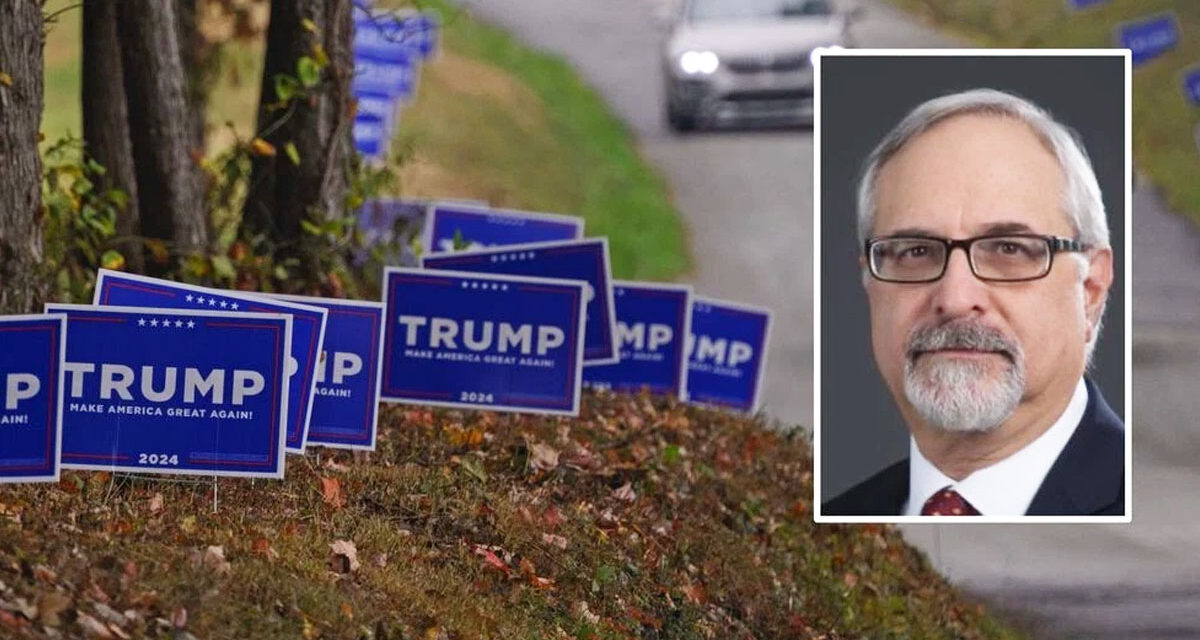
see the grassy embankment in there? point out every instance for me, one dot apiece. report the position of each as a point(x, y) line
point(642, 518)
point(492, 121)
point(1164, 122)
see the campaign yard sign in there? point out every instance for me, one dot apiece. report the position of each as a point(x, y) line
point(31, 383)
point(1191, 85)
point(391, 77)
point(480, 227)
point(1149, 38)
point(727, 353)
point(1084, 4)
point(370, 137)
point(308, 329)
point(175, 391)
point(585, 260)
point(482, 341)
point(346, 403)
point(653, 323)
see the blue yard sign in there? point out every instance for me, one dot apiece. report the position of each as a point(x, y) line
point(395, 79)
point(1084, 4)
point(308, 329)
point(346, 403)
point(585, 260)
point(727, 353)
point(479, 227)
point(653, 323)
point(1191, 85)
point(482, 341)
point(371, 137)
point(32, 348)
point(1149, 38)
point(175, 391)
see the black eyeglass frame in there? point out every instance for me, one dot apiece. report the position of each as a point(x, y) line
point(1055, 244)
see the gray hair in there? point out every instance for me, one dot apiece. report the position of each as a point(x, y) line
point(1081, 194)
point(1081, 198)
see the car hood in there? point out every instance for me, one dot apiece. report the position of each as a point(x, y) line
point(749, 37)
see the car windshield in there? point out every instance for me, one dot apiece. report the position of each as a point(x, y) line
point(703, 10)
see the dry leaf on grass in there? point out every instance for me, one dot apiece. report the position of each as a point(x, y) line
point(345, 556)
point(554, 540)
point(543, 457)
point(625, 493)
point(331, 492)
point(213, 558)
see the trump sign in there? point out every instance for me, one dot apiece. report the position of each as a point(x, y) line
point(171, 391)
point(653, 322)
point(479, 227)
point(585, 260)
point(483, 341)
point(727, 353)
point(346, 402)
point(308, 330)
point(31, 379)
point(1150, 37)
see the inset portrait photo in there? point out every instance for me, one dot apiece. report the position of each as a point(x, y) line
point(972, 293)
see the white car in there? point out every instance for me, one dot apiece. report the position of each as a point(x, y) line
point(735, 59)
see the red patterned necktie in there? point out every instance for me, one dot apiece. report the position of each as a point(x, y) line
point(948, 502)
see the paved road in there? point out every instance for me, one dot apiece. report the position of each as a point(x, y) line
point(747, 197)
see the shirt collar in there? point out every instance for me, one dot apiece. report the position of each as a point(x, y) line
point(1007, 487)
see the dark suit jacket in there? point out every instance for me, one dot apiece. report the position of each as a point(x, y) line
point(1088, 478)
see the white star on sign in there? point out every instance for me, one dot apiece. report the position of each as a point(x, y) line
point(191, 325)
point(200, 300)
point(189, 297)
point(178, 323)
point(141, 322)
point(153, 323)
point(504, 287)
point(212, 303)
point(233, 305)
point(224, 304)
point(166, 323)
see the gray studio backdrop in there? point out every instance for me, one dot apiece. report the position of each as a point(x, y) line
point(861, 99)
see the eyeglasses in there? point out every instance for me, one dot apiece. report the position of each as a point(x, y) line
point(998, 258)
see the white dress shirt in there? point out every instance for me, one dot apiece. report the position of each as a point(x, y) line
point(1007, 487)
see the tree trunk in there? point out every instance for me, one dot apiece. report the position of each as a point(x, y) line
point(21, 71)
point(194, 72)
point(105, 123)
point(284, 193)
point(170, 188)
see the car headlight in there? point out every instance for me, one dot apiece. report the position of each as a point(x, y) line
point(699, 62)
point(812, 55)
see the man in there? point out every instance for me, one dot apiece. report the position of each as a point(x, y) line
point(987, 265)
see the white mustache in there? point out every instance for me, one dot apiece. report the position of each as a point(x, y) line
point(961, 334)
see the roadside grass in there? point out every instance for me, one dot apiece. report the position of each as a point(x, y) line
point(492, 121)
point(643, 518)
point(1164, 122)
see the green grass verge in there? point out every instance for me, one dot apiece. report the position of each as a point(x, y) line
point(1164, 144)
point(493, 121)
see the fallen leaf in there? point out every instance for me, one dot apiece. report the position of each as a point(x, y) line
point(179, 618)
point(262, 546)
point(645, 618)
point(50, 605)
point(554, 540)
point(850, 579)
point(694, 593)
point(542, 583)
point(347, 610)
point(6, 79)
point(625, 493)
point(491, 558)
point(212, 558)
point(543, 457)
point(93, 627)
point(331, 491)
point(345, 556)
point(552, 517)
point(580, 609)
point(156, 503)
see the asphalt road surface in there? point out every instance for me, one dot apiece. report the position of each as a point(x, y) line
point(746, 197)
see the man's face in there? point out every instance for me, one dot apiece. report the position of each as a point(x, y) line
point(962, 353)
